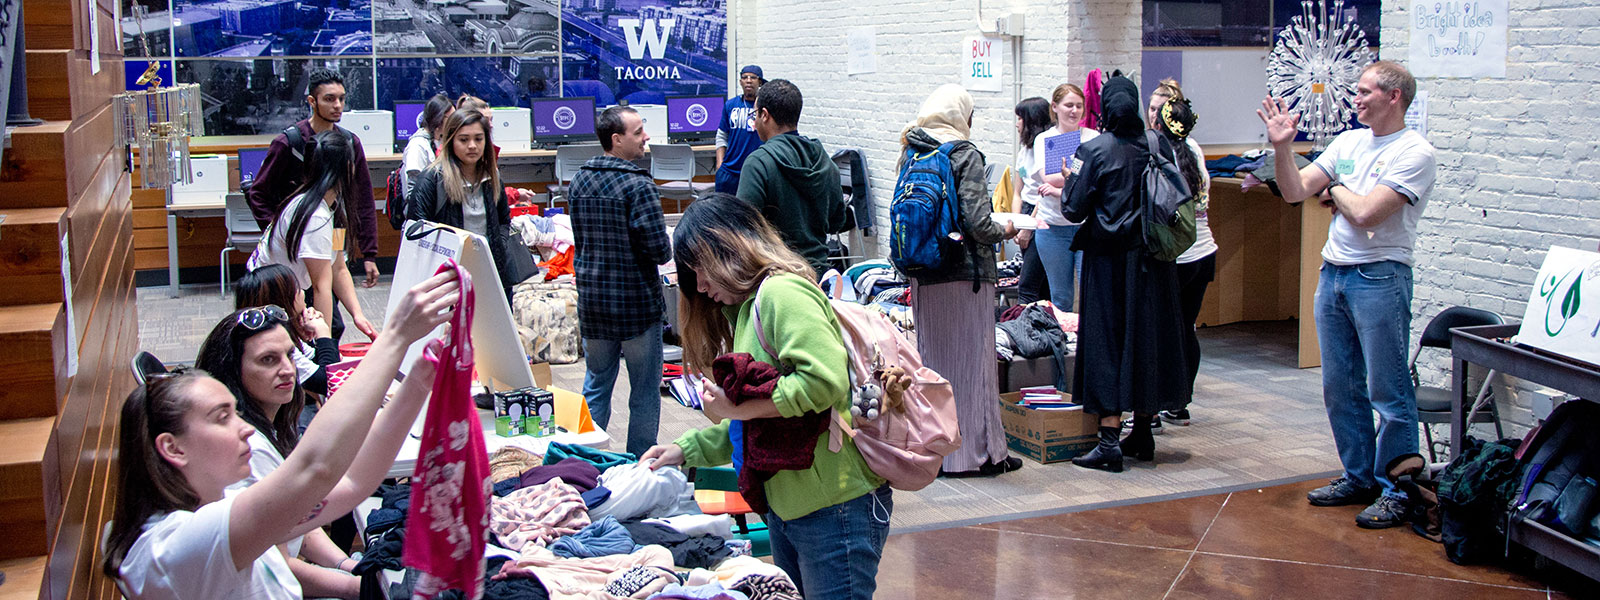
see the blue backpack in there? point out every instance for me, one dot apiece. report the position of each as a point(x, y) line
point(925, 217)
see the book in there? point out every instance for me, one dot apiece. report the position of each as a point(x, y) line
point(1060, 147)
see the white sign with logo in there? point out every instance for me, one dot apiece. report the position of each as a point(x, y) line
point(1458, 39)
point(1563, 314)
point(980, 64)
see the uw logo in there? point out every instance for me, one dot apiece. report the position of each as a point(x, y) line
point(653, 39)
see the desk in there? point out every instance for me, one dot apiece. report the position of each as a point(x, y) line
point(187, 209)
point(1481, 346)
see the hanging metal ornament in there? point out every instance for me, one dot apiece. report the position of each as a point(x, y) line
point(1315, 66)
point(159, 120)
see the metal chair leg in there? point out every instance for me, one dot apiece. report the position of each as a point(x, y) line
point(1427, 433)
point(222, 286)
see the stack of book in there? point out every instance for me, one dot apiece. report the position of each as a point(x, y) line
point(1047, 398)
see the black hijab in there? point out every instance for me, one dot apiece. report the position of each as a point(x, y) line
point(1122, 111)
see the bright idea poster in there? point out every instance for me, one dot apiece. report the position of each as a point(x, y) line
point(1458, 39)
point(1563, 314)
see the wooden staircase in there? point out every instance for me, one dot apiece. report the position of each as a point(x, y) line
point(68, 323)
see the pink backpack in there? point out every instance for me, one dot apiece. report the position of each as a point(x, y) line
point(905, 447)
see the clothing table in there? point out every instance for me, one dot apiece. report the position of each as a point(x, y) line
point(1483, 346)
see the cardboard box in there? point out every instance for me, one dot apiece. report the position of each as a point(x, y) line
point(1047, 436)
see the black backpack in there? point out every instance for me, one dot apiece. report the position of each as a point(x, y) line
point(1558, 466)
point(1475, 490)
point(395, 201)
point(1169, 212)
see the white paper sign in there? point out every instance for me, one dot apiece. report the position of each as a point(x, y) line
point(1458, 39)
point(66, 292)
point(862, 46)
point(1417, 113)
point(1563, 314)
point(980, 64)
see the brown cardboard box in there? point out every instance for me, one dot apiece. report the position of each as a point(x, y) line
point(1046, 436)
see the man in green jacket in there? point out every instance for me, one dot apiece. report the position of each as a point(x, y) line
point(791, 178)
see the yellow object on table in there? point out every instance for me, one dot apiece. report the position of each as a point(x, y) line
point(1004, 192)
point(572, 411)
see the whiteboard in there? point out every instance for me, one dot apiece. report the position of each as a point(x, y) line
point(1226, 87)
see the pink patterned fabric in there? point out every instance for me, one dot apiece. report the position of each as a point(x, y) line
point(451, 487)
point(533, 516)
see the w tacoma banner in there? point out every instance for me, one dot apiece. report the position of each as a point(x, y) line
point(642, 51)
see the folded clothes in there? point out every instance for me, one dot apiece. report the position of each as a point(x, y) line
point(601, 459)
point(578, 473)
point(702, 551)
point(693, 525)
point(638, 492)
point(710, 591)
point(601, 538)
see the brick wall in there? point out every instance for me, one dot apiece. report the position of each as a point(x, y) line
point(918, 49)
point(1517, 163)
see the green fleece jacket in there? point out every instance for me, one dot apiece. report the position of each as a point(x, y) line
point(794, 182)
point(802, 328)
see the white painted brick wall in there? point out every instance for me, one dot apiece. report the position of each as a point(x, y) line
point(918, 49)
point(1518, 160)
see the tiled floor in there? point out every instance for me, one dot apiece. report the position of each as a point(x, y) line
point(1259, 543)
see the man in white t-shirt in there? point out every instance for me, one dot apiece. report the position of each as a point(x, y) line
point(1376, 181)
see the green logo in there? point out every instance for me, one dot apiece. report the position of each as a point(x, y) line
point(1569, 300)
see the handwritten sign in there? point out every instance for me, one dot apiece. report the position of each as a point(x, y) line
point(862, 47)
point(1557, 318)
point(1417, 113)
point(1458, 39)
point(980, 64)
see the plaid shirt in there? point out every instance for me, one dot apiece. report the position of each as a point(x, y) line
point(621, 237)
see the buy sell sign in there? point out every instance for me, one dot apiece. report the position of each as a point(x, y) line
point(980, 64)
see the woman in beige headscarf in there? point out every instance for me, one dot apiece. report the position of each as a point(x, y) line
point(954, 304)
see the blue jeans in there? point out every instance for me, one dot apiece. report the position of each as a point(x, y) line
point(1060, 262)
point(643, 354)
point(1363, 325)
point(833, 553)
point(727, 181)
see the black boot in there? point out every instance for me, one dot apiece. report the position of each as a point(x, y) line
point(1140, 443)
point(1106, 456)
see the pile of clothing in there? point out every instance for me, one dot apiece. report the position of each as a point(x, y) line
point(1037, 330)
point(546, 314)
point(578, 522)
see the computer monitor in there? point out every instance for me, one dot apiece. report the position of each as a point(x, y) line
point(249, 163)
point(406, 113)
point(558, 120)
point(693, 117)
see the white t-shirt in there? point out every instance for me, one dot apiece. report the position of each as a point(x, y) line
point(1050, 210)
point(264, 459)
point(305, 364)
point(1204, 244)
point(417, 156)
point(1402, 160)
point(184, 555)
point(1028, 171)
point(316, 242)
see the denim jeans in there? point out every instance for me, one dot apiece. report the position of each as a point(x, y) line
point(1060, 262)
point(643, 353)
point(1363, 325)
point(833, 553)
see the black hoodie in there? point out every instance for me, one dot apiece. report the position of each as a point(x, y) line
point(794, 182)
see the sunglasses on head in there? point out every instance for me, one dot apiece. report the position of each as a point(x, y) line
point(255, 318)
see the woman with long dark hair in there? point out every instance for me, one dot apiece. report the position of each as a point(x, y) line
point(424, 144)
point(1130, 334)
point(308, 235)
point(314, 349)
point(1033, 118)
point(462, 189)
point(180, 534)
point(1171, 114)
point(250, 352)
point(829, 521)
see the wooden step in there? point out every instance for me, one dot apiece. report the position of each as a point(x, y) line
point(29, 353)
point(51, 163)
point(61, 84)
point(22, 486)
point(24, 578)
point(30, 256)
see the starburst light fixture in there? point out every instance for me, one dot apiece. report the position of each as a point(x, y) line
point(1315, 66)
point(159, 120)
